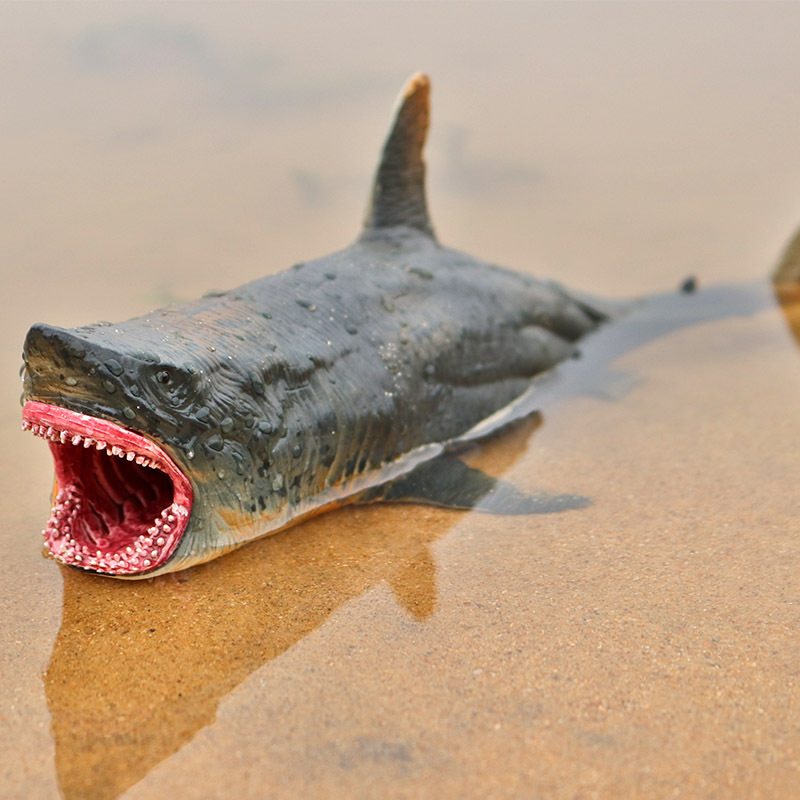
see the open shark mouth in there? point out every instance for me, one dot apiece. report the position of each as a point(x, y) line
point(121, 504)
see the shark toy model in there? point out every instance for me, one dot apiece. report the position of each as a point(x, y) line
point(184, 433)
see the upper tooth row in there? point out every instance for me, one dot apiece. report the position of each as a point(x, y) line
point(75, 438)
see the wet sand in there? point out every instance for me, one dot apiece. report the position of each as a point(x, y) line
point(645, 646)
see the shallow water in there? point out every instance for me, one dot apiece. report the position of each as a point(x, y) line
point(644, 646)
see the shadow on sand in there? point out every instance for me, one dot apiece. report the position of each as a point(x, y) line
point(139, 667)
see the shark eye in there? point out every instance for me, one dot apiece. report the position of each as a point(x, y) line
point(162, 376)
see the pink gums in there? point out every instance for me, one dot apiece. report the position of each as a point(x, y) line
point(122, 503)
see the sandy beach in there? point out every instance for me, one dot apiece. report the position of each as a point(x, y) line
point(645, 646)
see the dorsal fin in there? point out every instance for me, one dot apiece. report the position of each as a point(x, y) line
point(398, 194)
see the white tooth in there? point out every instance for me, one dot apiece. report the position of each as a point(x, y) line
point(26, 426)
point(88, 442)
point(116, 450)
point(152, 531)
point(154, 553)
point(139, 460)
point(101, 445)
point(109, 451)
point(76, 439)
point(147, 562)
point(131, 456)
point(63, 436)
point(50, 433)
point(165, 528)
point(160, 541)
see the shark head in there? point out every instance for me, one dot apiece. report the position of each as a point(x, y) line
point(139, 439)
point(115, 405)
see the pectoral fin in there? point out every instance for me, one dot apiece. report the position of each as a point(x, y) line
point(448, 482)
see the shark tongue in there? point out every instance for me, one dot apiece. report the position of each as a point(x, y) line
point(122, 504)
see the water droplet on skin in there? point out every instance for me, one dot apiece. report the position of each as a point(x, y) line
point(203, 414)
point(215, 442)
point(351, 329)
point(221, 474)
point(266, 315)
point(71, 382)
point(128, 412)
point(306, 304)
point(226, 425)
point(277, 482)
point(190, 455)
point(114, 367)
point(109, 387)
point(297, 450)
point(421, 273)
point(257, 384)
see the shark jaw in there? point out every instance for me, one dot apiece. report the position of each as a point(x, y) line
point(121, 503)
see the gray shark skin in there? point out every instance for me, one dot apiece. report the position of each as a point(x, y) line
point(186, 432)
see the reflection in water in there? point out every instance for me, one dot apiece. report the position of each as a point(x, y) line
point(138, 668)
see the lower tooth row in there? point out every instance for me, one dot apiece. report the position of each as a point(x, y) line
point(144, 552)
